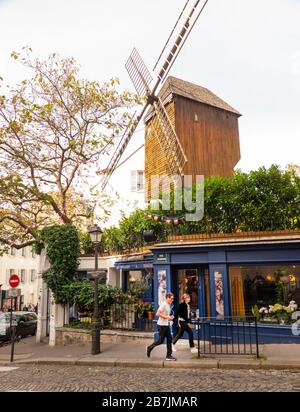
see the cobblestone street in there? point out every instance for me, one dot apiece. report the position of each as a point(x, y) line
point(46, 378)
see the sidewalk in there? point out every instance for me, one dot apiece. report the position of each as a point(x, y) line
point(273, 356)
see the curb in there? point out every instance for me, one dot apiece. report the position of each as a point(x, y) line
point(111, 362)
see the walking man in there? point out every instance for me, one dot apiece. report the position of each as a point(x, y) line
point(163, 314)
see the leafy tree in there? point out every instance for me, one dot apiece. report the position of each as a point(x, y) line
point(54, 130)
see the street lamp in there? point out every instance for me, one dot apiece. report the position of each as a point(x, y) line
point(96, 235)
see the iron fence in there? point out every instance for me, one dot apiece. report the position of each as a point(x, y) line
point(123, 316)
point(228, 336)
point(126, 316)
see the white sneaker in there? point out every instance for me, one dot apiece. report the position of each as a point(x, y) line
point(194, 350)
point(173, 348)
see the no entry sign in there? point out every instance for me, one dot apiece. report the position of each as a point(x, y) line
point(14, 281)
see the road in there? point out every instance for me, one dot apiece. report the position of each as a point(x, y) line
point(56, 378)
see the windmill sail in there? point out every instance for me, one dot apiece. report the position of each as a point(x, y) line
point(139, 74)
point(169, 141)
point(141, 79)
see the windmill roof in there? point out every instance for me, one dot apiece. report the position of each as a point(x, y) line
point(175, 86)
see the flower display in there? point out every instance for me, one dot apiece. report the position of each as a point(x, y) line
point(277, 312)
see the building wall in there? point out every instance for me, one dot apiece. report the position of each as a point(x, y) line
point(119, 189)
point(87, 263)
point(14, 264)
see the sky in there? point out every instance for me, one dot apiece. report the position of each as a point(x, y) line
point(245, 51)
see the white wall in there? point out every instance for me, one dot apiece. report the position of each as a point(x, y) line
point(88, 263)
point(119, 186)
point(15, 263)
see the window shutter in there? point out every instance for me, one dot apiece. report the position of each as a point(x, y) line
point(133, 180)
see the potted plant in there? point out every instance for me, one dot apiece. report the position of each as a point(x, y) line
point(150, 311)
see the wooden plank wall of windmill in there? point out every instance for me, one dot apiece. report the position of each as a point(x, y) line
point(209, 136)
point(155, 160)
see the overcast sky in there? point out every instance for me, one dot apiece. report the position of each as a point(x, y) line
point(245, 51)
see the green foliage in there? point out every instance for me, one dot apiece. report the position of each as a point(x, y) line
point(63, 252)
point(81, 293)
point(265, 199)
point(129, 234)
point(86, 243)
point(255, 312)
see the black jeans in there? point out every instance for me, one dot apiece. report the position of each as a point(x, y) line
point(184, 327)
point(164, 332)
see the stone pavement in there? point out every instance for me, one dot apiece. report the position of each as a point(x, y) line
point(133, 354)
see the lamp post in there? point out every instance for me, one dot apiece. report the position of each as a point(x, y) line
point(96, 235)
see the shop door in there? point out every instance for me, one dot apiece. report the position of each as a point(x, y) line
point(195, 282)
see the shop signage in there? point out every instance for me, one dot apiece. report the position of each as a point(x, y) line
point(93, 274)
point(162, 257)
point(16, 292)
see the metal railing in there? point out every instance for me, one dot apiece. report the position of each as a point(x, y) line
point(123, 316)
point(228, 336)
point(126, 316)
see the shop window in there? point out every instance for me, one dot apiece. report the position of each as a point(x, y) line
point(262, 286)
point(133, 277)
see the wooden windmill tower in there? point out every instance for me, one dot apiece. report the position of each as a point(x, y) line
point(207, 130)
point(141, 78)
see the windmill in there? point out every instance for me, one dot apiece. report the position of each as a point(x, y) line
point(142, 79)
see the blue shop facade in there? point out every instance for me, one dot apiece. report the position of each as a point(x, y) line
point(235, 276)
point(135, 268)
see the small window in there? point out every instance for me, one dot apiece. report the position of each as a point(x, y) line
point(22, 275)
point(24, 251)
point(12, 251)
point(32, 253)
point(137, 181)
point(32, 275)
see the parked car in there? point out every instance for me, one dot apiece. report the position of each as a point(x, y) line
point(25, 322)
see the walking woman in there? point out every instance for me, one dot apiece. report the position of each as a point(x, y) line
point(184, 317)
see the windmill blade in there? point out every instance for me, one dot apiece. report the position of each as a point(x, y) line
point(141, 79)
point(121, 147)
point(169, 141)
point(190, 22)
point(139, 74)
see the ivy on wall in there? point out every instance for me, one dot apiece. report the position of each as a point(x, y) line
point(63, 251)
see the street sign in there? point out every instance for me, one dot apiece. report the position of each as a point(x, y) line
point(12, 293)
point(14, 281)
point(7, 293)
point(96, 273)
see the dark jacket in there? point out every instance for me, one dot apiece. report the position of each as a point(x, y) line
point(182, 312)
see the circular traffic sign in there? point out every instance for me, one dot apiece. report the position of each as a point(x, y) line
point(14, 281)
